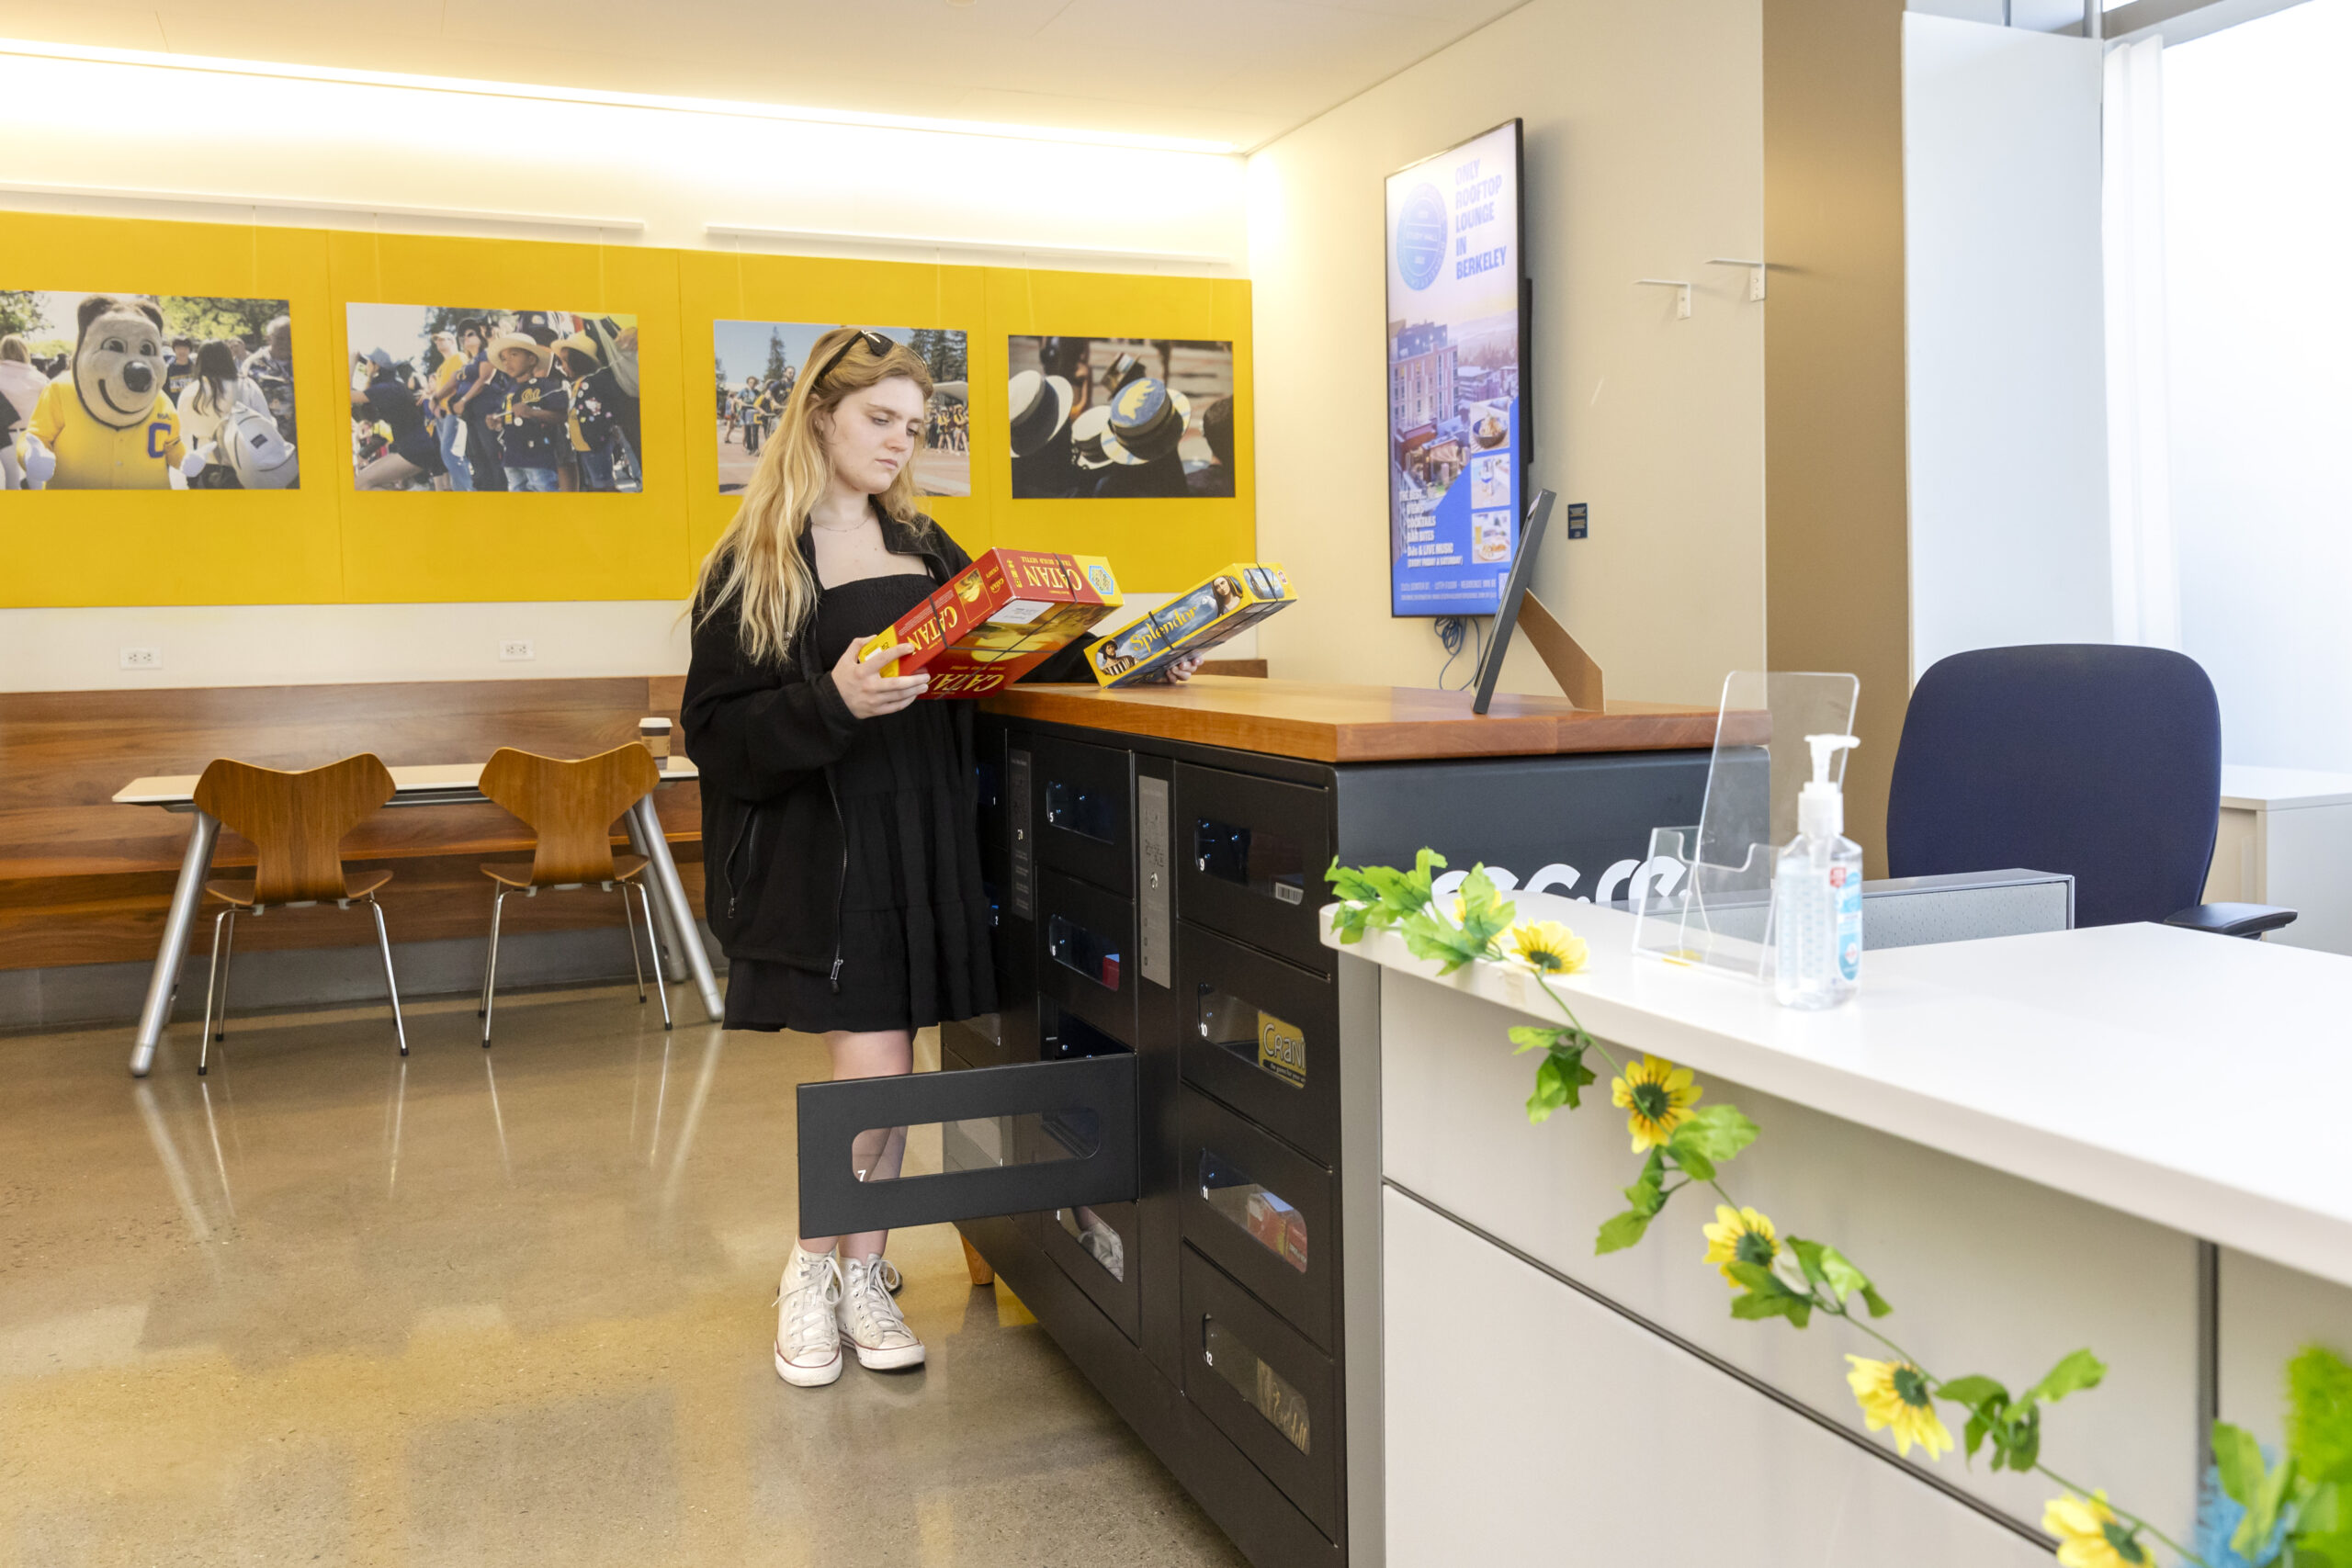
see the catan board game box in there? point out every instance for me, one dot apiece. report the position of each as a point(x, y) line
point(1242, 595)
point(999, 618)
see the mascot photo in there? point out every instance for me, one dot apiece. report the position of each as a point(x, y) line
point(102, 416)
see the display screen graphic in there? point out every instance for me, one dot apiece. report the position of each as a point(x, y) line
point(1457, 345)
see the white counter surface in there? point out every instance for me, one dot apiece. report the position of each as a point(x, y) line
point(2196, 1081)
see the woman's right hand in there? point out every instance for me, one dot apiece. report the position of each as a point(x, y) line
point(870, 693)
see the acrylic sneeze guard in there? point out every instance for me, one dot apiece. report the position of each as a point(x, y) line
point(1705, 895)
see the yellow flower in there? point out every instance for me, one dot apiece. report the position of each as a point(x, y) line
point(1740, 1235)
point(1547, 947)
point(1895, 1393)
point(2090, 1535)
point(1656, 1096)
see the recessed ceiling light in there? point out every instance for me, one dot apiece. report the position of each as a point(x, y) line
point(103, 56)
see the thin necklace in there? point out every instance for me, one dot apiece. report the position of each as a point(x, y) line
point(838, 527)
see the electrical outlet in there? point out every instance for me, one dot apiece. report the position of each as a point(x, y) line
point(142, 658)
point(515, 648)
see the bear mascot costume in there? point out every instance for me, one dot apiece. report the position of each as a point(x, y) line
point(108, 426)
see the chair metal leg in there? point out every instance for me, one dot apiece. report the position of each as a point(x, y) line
point(392, 986)
point(228, 961)
point(628, 919)
point(211, 983)
point(661, 981)
point(490, 975)
point(481, 1006)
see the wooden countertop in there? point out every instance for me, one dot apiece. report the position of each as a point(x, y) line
point(1319, 721)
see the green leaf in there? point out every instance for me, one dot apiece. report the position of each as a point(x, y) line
point(1646, 1194)
point(1972, 1391)
point(1529, 1037)
point(1767, 1295)
point(2261, 1519)
point(1694, 1163)
point(2017, 1441)
point(1715, 1133)
point(2238, 1459)
point(1560, 1078)
point(2076, 1371)
point(1485, 916)
point(1878, 1304)
point(1975, 1437)
point(1621, 1233)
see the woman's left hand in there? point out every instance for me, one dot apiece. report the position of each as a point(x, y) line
point(1183, 669)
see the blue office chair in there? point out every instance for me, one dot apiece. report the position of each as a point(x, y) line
point(2098, 760)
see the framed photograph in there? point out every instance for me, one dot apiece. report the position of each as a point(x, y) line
point(1457, 367)
point(474, 399)
point(145, 392)
point(1120, 418)
point(759, 363)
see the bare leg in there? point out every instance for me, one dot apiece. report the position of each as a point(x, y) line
point(879, 1152)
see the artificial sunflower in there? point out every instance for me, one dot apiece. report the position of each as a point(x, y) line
point(1895, 1393)
point(1547, 947)
point(1740, 1235)
point(2090, 1535)
point(1655, 1095)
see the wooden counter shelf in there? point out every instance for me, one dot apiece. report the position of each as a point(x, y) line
point(1320, 721)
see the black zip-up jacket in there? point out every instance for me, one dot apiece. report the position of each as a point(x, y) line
point(765, 737)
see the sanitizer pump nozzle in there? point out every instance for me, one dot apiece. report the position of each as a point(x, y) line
point(1821, 807)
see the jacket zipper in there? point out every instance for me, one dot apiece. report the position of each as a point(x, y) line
point(734, 882)
point(841, 878)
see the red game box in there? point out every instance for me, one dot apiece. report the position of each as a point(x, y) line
point(999, 618)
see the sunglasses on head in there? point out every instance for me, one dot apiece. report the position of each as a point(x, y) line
point(876, 344)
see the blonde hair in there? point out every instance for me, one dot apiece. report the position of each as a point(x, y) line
point(758, 560)
point(13, 347)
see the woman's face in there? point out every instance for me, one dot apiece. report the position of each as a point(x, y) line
point(472, 342)
point(873, 433)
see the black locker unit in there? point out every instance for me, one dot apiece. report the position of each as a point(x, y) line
point(1166, 1139)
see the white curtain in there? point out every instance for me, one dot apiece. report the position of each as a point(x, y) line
point(2144, 561)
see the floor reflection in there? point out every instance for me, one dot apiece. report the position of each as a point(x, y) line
point(494, 1307)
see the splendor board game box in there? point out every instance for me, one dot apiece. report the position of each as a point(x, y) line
point(997, 619)
point(1242, 595)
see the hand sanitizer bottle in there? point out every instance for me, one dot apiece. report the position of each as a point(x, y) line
point(1817, 894)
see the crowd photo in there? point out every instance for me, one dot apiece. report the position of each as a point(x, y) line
point(145, 392)
point(757, 364)
point(463, 399)
point(1120, 418)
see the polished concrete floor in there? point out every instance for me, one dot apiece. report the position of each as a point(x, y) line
point(512, 1307)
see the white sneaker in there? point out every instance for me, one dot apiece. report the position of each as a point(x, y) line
point(870, 1320)
point(807, 1343)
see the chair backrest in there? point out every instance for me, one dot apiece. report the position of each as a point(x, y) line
point(2099, 760)
point(571, 805)
point(296, 820)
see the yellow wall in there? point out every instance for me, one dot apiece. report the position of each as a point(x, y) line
point(325, 543)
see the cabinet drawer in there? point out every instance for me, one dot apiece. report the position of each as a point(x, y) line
point(1263, 1036)
point(1250, 854)
point(1263, 1213)
point(1086, 941)
point(1084, 812)
point(1266, 1387)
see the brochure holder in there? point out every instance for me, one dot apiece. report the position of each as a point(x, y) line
point(1704, 896)
point(1571, 665)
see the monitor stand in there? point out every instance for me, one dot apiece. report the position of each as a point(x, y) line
point(1571, 666)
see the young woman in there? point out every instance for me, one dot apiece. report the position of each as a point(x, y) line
point(211, 395)
point(842, 869)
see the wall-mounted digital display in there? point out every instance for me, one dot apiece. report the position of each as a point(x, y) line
point(145, 392)
point(1457, 360)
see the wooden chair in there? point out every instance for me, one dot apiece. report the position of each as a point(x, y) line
point(571, 806)
point(297, 823)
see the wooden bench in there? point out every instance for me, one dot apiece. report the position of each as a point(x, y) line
point(86, 881)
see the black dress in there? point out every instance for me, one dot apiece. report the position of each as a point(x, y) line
point(914, 915)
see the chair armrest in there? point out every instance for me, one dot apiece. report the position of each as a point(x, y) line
point(2232, 920)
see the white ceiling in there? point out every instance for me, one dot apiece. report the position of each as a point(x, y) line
point(1236, 71)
